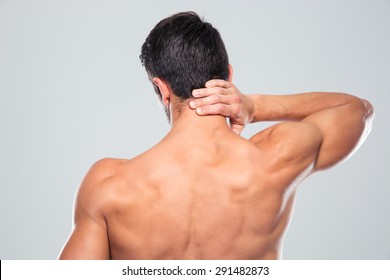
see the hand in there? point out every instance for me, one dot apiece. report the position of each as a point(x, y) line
point(221, 97)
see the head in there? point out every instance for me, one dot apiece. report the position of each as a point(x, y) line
point(182, 53)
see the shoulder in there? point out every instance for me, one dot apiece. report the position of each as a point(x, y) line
point(102, 171)
point(96, 189)
point(104, 168)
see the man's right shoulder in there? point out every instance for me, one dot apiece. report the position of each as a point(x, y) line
point(103, 172)
point(104, 168)
point(101, 183)
point(107, 168)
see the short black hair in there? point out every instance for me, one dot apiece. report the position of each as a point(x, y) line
point(186, 52)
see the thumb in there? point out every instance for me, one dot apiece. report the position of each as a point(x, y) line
point(237, 128)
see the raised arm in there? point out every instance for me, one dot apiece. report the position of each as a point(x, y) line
point(89, 238)
point(342, 120)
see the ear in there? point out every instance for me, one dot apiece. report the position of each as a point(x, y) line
point(164, 90)
point(230, 79)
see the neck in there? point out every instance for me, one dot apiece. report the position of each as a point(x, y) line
point(184, 119)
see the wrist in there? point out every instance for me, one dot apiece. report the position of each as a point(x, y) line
point(251, 107)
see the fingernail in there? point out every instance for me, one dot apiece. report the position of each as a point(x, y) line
point(195, 93)
point(192, 104)
point(198, 110)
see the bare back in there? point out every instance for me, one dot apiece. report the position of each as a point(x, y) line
point(228, 200)
point(204, 192)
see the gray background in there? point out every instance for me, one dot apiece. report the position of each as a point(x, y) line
point(72, 91)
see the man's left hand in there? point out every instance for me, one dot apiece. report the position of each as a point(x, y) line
point(221, 97)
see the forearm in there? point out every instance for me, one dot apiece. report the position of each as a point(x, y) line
point(296, 106)
point(320, 108)
point(342, 121)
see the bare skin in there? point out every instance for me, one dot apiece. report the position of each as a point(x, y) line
point(204, 192)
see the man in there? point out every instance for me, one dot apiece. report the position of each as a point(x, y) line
point(204, 192)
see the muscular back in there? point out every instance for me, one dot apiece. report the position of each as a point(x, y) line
point(229, 200)
point(204, 192)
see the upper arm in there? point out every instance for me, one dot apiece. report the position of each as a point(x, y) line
point(89, 239)
point(322, 139)
point(343, 129)
point(291, 146)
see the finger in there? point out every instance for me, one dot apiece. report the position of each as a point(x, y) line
point(236, 128)
point(215, 109)
point(218, 83)
point(211, 100)
point(203, 92)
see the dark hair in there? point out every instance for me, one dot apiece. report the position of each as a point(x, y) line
point(186, 52)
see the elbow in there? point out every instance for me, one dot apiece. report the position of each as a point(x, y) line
point(359, 105)
point(368, 114)
point(364, 113)
point(362, 107)
point(369, 109)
